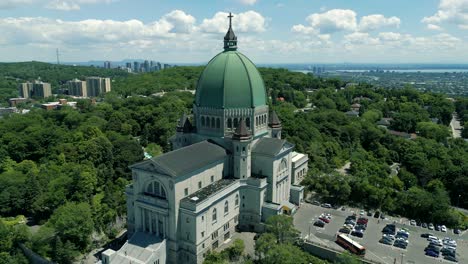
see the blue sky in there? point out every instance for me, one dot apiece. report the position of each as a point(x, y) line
point(269, 31)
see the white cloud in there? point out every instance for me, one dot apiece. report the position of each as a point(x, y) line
point(62, 5)
point(450, 11)
point(373, 22)
point(434, 27)
point(18, 31)
point(7, 4)
point(72, 5)
point(248, 2)
point(333, 20)
point(360, 38)
point(249, 21)
point(336, 20)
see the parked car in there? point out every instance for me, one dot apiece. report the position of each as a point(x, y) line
point(319, 223)
point(382, 216)
point(424, 225)
point(335, 206)
point(360, 228)
point(443, 228)
point(344, 230)
point(369, 213)
point(451, 258)
point(437, 228)
point(431, 226)
point(326, 205)
point(413, 222)
point(315, 202)
point(357, 233)
point(386, 241)
point(363, 220)
point(324, 219)
point(387, 236)
point(376, 214)
point(436, 242)
point(433, 248)
point(448, 251)
point(343, 208)
point(456, 231)
point(351, 217)
point(400, 244)
point(426, 235)
point(432, 254)
point(361, 213)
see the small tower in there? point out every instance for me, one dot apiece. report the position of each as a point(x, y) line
point(275, 125)
point(183, 131)
point(241, 147)
point(230, 40)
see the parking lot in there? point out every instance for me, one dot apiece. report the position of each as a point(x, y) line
point(414, 253)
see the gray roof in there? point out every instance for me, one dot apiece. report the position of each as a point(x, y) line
point(270, 146)
point(206, 192)
point(184, 160)
point(138, 249)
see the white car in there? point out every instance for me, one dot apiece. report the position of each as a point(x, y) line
point(431, 226)
point(413, 222)
point(443, 228)
point(389, 236)
point(362, 212)
point(431, 237)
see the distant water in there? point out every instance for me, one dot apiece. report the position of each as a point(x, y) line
point(399, 70)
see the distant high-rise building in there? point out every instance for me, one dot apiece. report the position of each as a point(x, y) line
point(166, 66)
point(41, 89)
point(136, 66)
point(25, 89)
point(146, 66)
point(96, 86)
point(128, 65)
point(77, 87)
point(36, 89)
point(107, 64)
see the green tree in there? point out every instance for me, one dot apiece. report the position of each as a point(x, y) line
point(347, 258)
point(73, 222)
point(282, 227)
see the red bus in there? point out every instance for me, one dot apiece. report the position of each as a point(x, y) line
point(351, 245)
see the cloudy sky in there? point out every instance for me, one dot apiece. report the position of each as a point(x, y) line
point(269, 31)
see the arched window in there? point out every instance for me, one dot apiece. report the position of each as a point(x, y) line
point(283, 165)
point(212, 122)
point(155, 189)
point(237, 200)
point(264, 119)
point(229, 123)
point(236, 122)
point(218, 123)
point(214, 215)
point(247, 121)
point(203, 121)
point(226, 207)
point(256, 121)
point(208, 122)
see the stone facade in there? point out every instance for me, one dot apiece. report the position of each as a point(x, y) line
point(229, 169)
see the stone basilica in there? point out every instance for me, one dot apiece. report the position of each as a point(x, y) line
point(229, 170)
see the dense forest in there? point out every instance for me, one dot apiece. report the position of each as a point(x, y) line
point(66, 169)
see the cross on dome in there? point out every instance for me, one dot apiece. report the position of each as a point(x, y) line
point(230, 39)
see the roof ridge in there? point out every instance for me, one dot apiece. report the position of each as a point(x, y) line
point(248, 76)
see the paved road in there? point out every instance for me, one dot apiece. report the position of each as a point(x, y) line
point(455, 126)
point(414, 254)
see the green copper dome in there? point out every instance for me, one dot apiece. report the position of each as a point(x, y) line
point(230, 80)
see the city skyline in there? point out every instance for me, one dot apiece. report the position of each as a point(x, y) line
point(272, 31)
